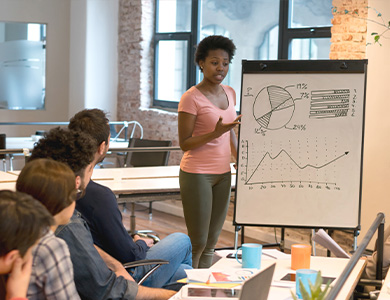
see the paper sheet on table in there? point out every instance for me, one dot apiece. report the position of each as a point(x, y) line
point(219, 276)
point(322, 238)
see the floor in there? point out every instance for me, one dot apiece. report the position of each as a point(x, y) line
point(164, 224)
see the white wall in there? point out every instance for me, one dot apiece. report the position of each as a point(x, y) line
point(81, 65)
point(376, 167)
point(56, 14)
point(93, 51)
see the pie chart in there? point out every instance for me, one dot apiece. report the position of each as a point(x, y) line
point(273, 107)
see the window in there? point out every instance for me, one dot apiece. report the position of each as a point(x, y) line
point(22, 65)
point(260, 29)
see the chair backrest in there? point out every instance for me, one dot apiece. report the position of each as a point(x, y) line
point(147, 159)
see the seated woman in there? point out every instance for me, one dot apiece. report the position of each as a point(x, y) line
point(54, 185)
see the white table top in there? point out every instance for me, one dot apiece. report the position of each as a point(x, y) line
point(139, 173)
point(8, 186)
point(138, 180)
point(28, 142)
point(142, 180)
point(329, 266)
point(7, 177)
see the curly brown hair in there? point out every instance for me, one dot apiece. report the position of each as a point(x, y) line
point(214, 42)
point(75, 148)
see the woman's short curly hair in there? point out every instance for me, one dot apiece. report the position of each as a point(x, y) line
point(214, 42)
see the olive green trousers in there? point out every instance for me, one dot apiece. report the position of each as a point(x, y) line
point(205, 200)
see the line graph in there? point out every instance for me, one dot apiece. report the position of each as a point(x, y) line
point(282, 167)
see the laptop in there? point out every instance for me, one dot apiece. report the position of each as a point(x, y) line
point(256, 287)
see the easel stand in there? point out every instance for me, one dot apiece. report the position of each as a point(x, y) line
point(281, 244)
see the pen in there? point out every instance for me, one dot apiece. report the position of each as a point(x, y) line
point(269, 255)
point(208, 280)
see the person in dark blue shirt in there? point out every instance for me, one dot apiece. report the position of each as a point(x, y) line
point(99, 208)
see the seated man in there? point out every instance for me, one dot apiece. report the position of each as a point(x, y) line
point(96, 274)
point(100, 208)
point(23, 221)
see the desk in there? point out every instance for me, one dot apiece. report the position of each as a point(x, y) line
point(143, 184)
point(329, 266)
point(28, 142)
point(7, 181)
point(7, 177)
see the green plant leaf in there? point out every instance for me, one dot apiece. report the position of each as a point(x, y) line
point(374, 33)
point(293, 295)
point(376, 38)
point(346, 11)
point(304, 293)
point(325, 291)
point(379, 15)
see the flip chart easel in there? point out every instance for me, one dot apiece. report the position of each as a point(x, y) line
point(301, 144)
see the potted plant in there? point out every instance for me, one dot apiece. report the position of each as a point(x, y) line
point(316, 292)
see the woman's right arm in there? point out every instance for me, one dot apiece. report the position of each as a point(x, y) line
point(186, 126)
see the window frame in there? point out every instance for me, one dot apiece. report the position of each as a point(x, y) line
point(286, 35)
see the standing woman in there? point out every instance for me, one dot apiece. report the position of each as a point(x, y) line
point(206, 120)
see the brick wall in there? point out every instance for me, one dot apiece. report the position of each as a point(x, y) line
point(135, 59)
point(349, 30)
point(135, 78)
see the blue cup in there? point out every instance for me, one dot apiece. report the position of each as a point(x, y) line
point(305, 276)
point(251, 255)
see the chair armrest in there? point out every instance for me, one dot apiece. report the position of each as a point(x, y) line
point(145, 262)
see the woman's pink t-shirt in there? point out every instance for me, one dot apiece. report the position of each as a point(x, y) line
point(213, 157)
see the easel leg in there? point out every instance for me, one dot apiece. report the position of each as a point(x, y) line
point(313, 243)
point(237, 229)
point(356, 233)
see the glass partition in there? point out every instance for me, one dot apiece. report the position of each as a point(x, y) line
point(22, 65)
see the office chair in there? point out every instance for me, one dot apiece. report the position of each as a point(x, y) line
point(147, 159)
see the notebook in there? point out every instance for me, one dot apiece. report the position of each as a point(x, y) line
point(256, 287)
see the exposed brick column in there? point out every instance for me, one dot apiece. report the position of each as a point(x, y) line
point(135, 78)
point(349, 30)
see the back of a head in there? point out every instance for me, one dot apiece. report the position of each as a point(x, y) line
point(23, 220)
point(93, 122)
point(74, 148)
point(50, 182)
